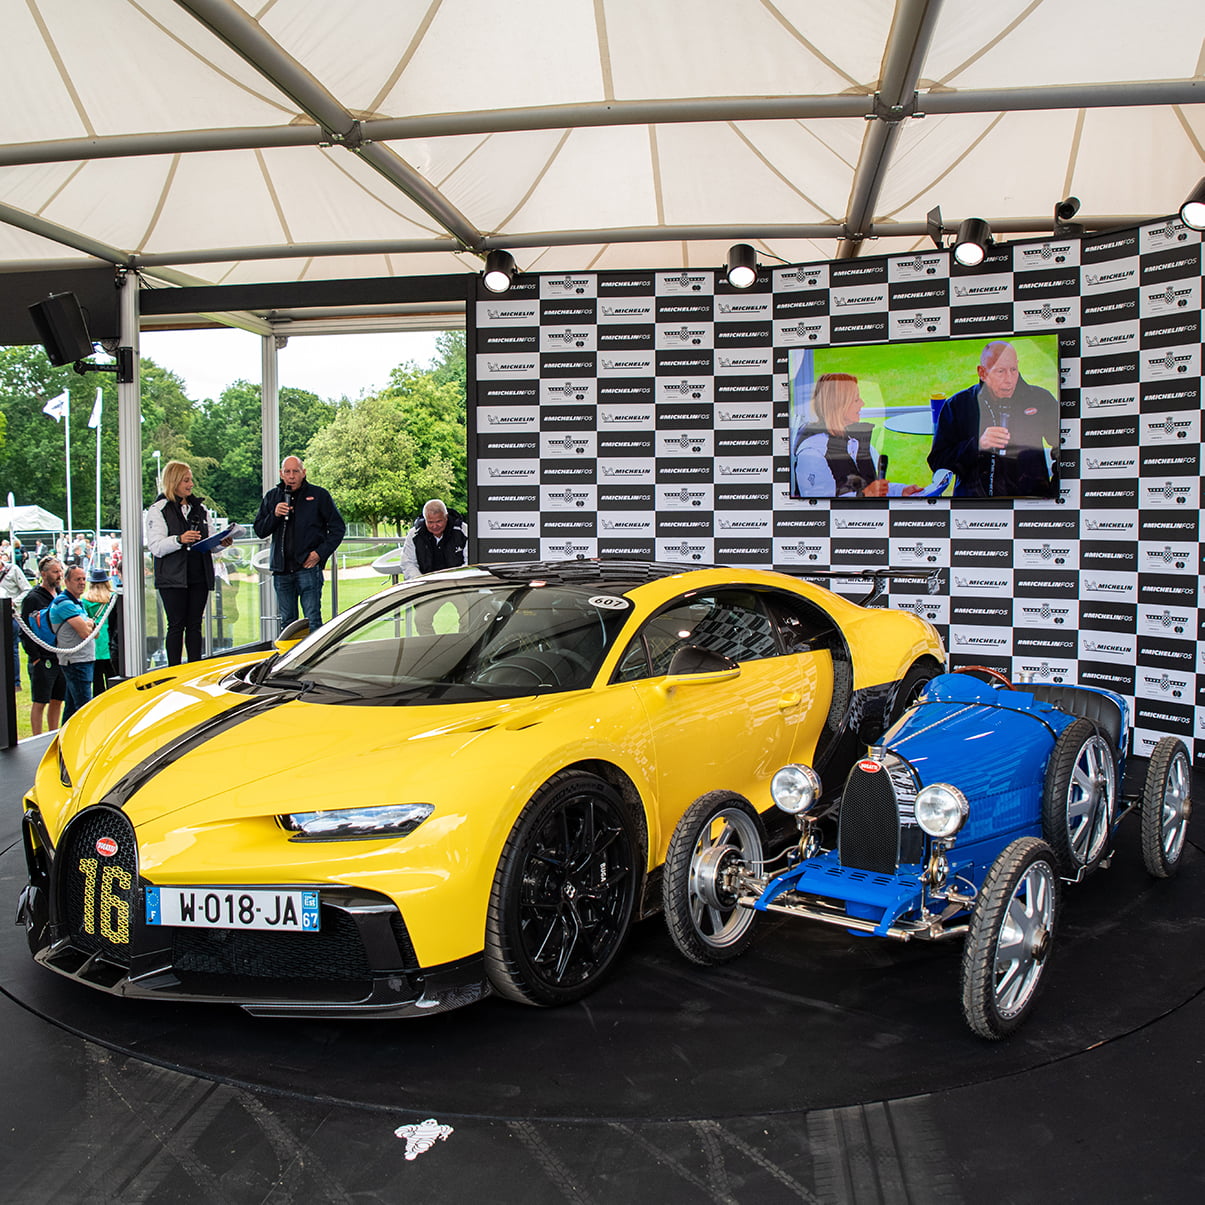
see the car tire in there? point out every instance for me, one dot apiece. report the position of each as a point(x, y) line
point(910, 687)
point(1079, 797)
point(704, 920)
point(1166, 806)
point(1010, 937)
point(564, 892)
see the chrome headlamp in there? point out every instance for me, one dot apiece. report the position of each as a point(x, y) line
point(941, 810)
point(795, 789)
point(337, 824)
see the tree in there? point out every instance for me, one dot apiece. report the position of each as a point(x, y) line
point(32, 458)
point(372, 465)
point(231, 429)
point(450, 360)
point(434, 413)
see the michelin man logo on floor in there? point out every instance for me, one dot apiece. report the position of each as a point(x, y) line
point(421, 1137)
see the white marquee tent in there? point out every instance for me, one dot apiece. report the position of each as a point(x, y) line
point(236, 141)
point(28, 518)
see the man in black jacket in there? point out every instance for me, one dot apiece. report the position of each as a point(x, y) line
point(995, 435)
point(306, 527)
point(436, 541)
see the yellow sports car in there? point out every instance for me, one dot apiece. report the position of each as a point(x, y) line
point(466, 783)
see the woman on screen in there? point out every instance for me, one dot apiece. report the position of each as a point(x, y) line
point(176, 520)
point(833, 456)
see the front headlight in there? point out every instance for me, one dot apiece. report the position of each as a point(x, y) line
point(941, 810)
point(795, 789)
point(391, 820)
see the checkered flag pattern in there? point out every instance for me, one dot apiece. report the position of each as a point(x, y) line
point(645, 414)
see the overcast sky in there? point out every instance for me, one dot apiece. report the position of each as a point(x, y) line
point(332, 366)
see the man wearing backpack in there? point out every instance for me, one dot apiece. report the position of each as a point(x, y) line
point(47, 685)
point(72, 626)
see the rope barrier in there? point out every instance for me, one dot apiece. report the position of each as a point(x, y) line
point(58, 648)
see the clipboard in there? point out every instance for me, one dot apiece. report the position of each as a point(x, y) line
point(211, 542)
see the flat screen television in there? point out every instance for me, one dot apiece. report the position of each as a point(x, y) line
point(970, 418)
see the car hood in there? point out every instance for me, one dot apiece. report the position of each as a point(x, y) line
point(190, 743)
point(977, 747)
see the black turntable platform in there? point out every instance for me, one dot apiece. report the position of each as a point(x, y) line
point(821, 1066)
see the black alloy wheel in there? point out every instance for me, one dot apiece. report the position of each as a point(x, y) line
point(564, 892)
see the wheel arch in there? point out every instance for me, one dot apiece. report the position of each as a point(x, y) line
point(611, 774)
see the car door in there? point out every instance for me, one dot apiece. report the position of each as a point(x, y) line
point(733, 734)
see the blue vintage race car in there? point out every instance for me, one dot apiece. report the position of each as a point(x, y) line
point(978, 802)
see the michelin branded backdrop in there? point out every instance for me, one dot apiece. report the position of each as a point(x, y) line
point(646, 415)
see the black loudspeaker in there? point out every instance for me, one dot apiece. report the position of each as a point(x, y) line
point(61, 328)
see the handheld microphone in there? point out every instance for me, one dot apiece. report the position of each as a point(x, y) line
point(883, 467)
point(1004, 417)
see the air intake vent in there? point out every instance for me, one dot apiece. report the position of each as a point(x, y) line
point(97, 883)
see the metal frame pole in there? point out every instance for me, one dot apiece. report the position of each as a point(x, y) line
point(129, 430)
point(270, 444)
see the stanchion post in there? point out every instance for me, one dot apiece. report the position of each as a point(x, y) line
point(8, 683)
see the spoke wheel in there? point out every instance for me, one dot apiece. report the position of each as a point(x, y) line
point(1079, 797)
point(564, 893)
point(1166, 806)
point(1009, 940)
point(718, 834)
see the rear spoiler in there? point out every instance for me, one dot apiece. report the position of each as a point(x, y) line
point(874, 580)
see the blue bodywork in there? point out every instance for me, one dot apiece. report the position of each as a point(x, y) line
point(993, 745)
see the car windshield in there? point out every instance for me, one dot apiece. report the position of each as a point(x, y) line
point(460, 641)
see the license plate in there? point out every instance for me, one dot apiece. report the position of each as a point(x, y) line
point(233, 908)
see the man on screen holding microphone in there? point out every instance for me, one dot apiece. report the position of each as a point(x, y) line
point(994, 435)
point(306, 528)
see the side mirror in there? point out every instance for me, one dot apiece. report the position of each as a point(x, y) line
point(297, 630)
point(691, 665)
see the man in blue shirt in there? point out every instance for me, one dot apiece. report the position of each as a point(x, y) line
point(73, 627)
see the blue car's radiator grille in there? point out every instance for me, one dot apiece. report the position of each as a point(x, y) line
point(868, 832)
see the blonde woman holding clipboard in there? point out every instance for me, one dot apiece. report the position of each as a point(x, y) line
point(175, 522)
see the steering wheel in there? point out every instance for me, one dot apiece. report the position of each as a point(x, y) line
point(501, 673)
point(999, 680)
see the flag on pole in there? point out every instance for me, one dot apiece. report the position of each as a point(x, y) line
point(94, 421)
point(57, 406)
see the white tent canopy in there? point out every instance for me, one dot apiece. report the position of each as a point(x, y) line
point(215, 141)
point(28, 518)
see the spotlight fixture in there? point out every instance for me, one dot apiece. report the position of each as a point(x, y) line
point(1192, 212)
point(1064, 211)
point(972, 241)
point(499, 271)
point(742, 265)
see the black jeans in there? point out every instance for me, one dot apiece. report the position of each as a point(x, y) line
point(183, 607)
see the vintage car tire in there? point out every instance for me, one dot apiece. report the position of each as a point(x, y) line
point(1077, 808)
point(1166, 805)
point(1008, 943)
point(705, 922)
point(564, 893)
